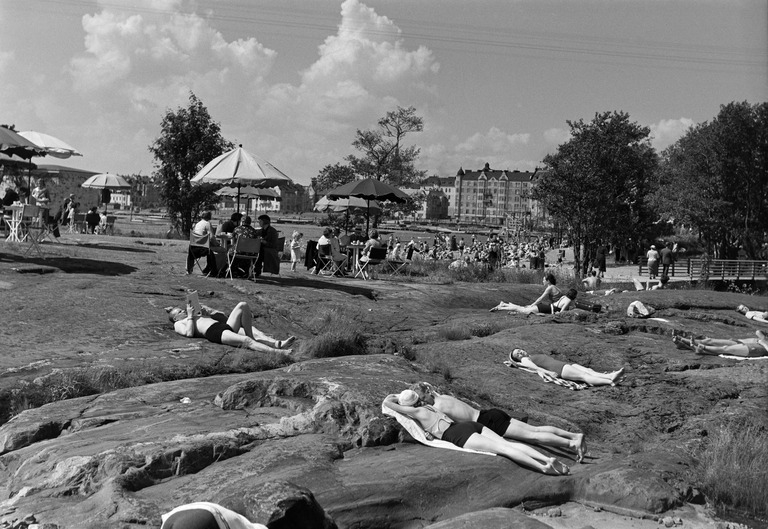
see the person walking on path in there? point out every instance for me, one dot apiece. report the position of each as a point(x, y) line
point(653, 262)
point(667, 258)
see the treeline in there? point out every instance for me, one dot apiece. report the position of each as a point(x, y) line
point(607, 183)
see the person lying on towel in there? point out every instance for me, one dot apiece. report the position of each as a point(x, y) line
point(500, 422)
point(235, 330)
point(205, 515)
point(754, 315)
point(745, 347)
point(468, 434)
point(560, 369)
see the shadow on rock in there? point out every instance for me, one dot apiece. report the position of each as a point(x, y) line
point(317, 284)
point(71, 265)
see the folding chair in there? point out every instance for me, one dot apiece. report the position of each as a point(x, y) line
point(325, 260)
point(375, 256)
point(33, 228)
point(244, 248)
point(199, 247)
point(397, 266)
point(110, 227)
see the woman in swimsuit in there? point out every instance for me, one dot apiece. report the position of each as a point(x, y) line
point(746, 347)
point(549, 302)
point(577, 373)
point(472, 435)
point(236, 330)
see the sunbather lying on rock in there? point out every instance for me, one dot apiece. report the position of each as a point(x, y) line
point(558, 368)
point(235, 330)
point(755, 315)
point(204, 515)
point(662, 284)
point(500, 422)
point(468, 434)
point(746, 347)
point(543, 307)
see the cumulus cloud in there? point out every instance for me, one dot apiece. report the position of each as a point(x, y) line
point(668, 131)
point(495, 141)
point(556, 136)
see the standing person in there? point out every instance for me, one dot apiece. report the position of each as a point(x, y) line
point(667, 258)
point(269, 241)
point(653, 262)
point(600, 257)
point(295, 249)
point(41, 194)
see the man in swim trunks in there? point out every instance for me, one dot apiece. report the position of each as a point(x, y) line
point(500, 422)
point(745, 347)
point(236, 330)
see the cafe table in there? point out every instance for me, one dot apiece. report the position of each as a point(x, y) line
point(356, 248)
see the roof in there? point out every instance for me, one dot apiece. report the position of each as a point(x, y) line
point(489, 174)
point(62, 170)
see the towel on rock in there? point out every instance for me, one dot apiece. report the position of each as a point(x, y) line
point(413, 428)
point(546, 377)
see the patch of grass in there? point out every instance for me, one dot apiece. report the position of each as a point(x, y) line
point(731, 468)
point(455, 333)
point(443, 369)
point(438, 272)
point(485, 329)
point(337, 335)
point(81, 382)
point(408, 353)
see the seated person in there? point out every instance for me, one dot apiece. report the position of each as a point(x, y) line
point(592, 282)
point(562, 304)
point(754, 315)
point(662, 284)
point(201, 229)
point(500, 422)
point(236, 330)
point(745, 347)
point(205, 515)
point(245, 230)
point(228, 226)
point(92, 219)
point(373, 242)
point(340, 258)
point(10, 196)
point(472, 435)
point(557, 368)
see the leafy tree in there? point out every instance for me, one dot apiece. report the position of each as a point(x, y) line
point(384, 155)
point(188, 140)
point(596, 182)
point(715, 178)
point(332, 176)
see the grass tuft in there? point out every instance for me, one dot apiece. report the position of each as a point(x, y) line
point(732, 467)
point(485, 329)
point(337, 335)
point(455, 333)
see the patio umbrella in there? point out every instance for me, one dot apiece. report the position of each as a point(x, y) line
point(12, 142)
point(346, 205)
point(106, 181)
point(369, 189)
point(51, 145)
point(239, 168)
point(249, 192)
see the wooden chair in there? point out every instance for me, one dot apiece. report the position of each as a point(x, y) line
point(244, 248)
point(375, 256)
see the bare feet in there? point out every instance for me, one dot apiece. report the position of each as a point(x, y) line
point(679, 343)
point(581, 448)
point(494, 309)
point(559, 467)
point(284, 344)
point(616, 375)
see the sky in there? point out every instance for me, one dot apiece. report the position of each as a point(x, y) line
point(495, 81)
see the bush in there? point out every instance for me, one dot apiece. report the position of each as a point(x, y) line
point(485, 329)
point(336, 335)
point(731, 468)
point(455, 333)
point(430, 271)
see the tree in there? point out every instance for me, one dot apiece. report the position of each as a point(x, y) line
point(332, 176)
point(715, 178)
point(188, 140)
point(596, 182)
point(384, 156)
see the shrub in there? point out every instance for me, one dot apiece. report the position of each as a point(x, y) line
point(731, 468)
point(485, 329)
point(335, 342)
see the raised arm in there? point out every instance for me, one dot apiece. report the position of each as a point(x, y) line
point(545, 295)
point(420, 414)
point(186, 327)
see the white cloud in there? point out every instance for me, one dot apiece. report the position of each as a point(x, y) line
point(495, 141)
point(556, 136)
point(668, 131)
point(5, 60)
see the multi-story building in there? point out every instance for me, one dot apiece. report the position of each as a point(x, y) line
point(444, 184)
point(493, 196)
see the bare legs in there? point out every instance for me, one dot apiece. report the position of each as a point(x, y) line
point(716, 346)
point(241, 322)
point(547, 435)
point(522, 454)
point(579, 373)
point(523, 309)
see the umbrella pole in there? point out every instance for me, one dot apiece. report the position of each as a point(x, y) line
point(367, 217)
point(238, 198)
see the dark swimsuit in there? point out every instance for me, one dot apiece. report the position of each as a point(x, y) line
point(215, 331)
point(457, 433)
point(548, 363)
point(494, 419)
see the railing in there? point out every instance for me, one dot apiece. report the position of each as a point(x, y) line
point(714, 269)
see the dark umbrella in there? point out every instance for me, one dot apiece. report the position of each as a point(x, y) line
point(369, 189)
point(13, 143)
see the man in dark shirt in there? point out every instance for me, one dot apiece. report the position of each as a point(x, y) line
point(667, 258)
point(269, 243)
point(228, 226)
